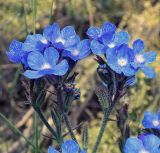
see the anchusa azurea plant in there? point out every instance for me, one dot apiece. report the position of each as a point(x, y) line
point(49, 59)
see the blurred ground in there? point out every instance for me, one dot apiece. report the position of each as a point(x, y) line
point(141, 18)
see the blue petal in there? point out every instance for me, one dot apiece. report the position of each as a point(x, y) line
point(94, 32)
point(70, 146)
point(133, 145)
point(111, 52)
point(32, 74)
point(35, 42)
point(108, 27)
point(107, 39)
point(15, 52)
point(97, 48)
point(68, 32)
point(51, 56)
point(52, 32)
point(35, 60)
point(83, 151)
point(52, 150)
point(79, 51)
point(159, 114)
point(71, 41)
point(121, 37)
point(84, 47)
point(61, 68)
point(123, 51)
point(152, 143)
point(138, 46)
point(112, 62)
point(150, 56)
point(128, 71)
point(149, 117)
point(148, 71)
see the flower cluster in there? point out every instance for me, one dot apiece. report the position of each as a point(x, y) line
point(147, 142)
point(120, 57)
point(48, 54)
point(69, 146)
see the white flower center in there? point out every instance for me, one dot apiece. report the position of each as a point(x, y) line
point(44, 41)
point(60, 39)
point(122, 61)
point(139, 58)
point(46, 66)
point(75, 52)
point(155, 122)
point(143, 151)
point(111, 45)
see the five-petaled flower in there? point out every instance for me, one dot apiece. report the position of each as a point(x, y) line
point(151, 120)
point(69, 146)
point(106, 38)
point(149, 144)
point(78, 51)
point(142, 59)
point(61, 39)
point(120, 59)
point(46, 64)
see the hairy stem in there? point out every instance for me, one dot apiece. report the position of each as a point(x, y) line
point(69, 127)
point(38, 110)
point(103, 127)
point(36, 132)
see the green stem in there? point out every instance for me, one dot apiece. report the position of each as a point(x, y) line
point(25, 17)
point(69, 127)
point(40, 114)
point(51, 11)
point(15, 129)
point(36, 136)
point(103, 127)
point(34, 15)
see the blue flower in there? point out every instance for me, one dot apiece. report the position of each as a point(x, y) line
point(15, 53)
point(46, 64)
point(149, 144)
point(35, 42)
point(151, 120)
point(120, 60)
point(69, 146)
point(61, 39)
point(106, 38)
point(78, 51)
point(142, 59)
